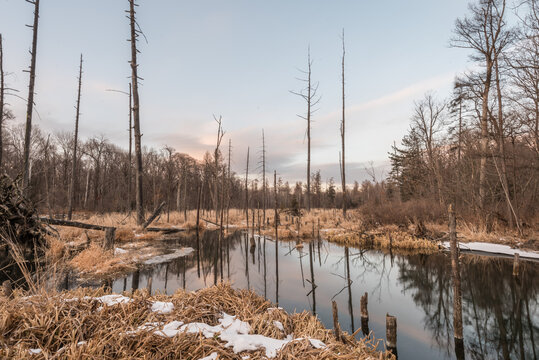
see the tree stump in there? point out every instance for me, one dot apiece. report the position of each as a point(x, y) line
point(391, 333)
point(109, 238)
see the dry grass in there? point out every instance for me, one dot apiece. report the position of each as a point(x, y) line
point(82, 329)
point(96, 261)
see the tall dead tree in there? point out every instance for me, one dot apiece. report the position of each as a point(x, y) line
point(483, 32)
point(264, 188)
point(247, 192)
point(130, 160)
point(2, 91)
point(309, 94)
point(343, 167)
point(76, 140)
point(30, 102)
point(229, 183)
point(136, 114)
point(220, 134)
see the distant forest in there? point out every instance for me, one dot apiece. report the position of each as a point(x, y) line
point(478, 149)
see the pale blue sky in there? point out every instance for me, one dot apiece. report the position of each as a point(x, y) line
point(239, 59)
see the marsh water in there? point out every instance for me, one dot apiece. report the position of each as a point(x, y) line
point(500, 313)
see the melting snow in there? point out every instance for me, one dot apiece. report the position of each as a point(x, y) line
point(162, 307)
point(34, 351)
point(168, 257)
point(119, 251)
point(495, 249)
point(231, 330)
point(278, 325)
point(212, 356)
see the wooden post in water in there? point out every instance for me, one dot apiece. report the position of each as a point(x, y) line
point(457, 295)
point(365, 314)
point(318, 228)
point(516, 265)
point(8, 291)
point(391, 333)
point(149, 286)
point(336, 326)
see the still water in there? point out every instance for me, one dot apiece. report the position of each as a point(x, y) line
point(500, 314)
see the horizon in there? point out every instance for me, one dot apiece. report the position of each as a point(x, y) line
point(232, 60)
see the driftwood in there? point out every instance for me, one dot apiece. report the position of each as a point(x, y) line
point(165, 230)
point(73, 224)
point(155, 214)
point(214, 223)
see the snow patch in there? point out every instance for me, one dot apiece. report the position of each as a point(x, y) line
point(119, 251)
point(494, 249)
point(162, 307)
point(34, 351)
point(231, 330)
point(212, 356)
point(168, 257)
point(278, 325)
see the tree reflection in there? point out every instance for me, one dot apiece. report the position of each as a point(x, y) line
point(495, 323)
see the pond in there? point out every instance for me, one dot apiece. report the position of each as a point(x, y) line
point(500, 313)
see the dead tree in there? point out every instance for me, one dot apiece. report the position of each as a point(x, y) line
point(247, 192)
point(2, 91)
point(263, 179)
point(135, 33)
point(220, 134)
point(76, 140)
point(130, 165)
point(309, 94)
point(30, 102)
point(343, 167)
point(229, 182)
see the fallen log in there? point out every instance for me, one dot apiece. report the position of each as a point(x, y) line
point(165, 230)
point(110, 231)
point(155, 214)
point(211, 222)
point(73, 224)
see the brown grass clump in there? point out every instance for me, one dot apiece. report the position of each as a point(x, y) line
point(84, 328)
point(95, 260)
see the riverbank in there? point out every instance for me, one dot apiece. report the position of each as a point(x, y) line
point(81, 250)
point(213, 323)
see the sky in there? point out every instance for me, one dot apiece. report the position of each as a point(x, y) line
point(239, 59)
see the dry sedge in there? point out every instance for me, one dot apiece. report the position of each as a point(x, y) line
point(94, 260)
point(85, 328)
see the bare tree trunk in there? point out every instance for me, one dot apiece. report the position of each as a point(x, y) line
point(309, 135)
point(30, 104)
point(263, 179)
point(343, 177)
point(130, 165)
point(2, 90)
point(484, 137)
point(276, 223)
point(501, 146)
point(76, 140)
point(247, 193)
point(136, 116)
point(220, 134)
point(87, 188)
point(228, 183)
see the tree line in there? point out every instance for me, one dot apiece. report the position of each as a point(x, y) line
point(479, 148)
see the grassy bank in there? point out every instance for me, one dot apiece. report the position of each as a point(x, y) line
point(218, 322)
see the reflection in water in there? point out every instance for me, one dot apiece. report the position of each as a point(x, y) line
point(500, 312)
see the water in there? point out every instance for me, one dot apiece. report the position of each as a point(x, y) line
point(500, 314)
